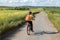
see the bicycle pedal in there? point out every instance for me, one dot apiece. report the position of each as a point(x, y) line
point(28, 34)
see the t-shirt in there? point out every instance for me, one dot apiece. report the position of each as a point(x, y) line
point(28, 18)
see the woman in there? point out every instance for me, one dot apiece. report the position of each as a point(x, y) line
point(29, 19)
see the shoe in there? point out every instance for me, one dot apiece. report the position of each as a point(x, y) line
point(32, 31)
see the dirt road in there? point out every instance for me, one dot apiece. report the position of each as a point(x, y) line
point(43, 30)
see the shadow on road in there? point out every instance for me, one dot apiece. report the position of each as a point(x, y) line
point(11, 34)
point(43, 32)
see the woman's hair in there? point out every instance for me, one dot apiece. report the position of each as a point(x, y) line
point(30, 12)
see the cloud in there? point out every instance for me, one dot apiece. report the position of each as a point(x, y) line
point(13, 1)
point(31, 2)
point(23, 0)
point(3, 1)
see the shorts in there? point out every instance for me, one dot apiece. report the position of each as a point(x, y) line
point(30, 22)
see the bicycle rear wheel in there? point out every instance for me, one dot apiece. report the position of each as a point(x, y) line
point(28, 29)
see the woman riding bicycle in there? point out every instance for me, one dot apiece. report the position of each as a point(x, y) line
point(29, 19)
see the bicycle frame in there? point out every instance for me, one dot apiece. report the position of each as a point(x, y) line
point(28, 28)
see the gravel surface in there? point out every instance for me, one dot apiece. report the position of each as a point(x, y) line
point(43, 30)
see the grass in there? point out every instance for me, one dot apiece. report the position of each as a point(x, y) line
point(12, 18)
point(54, 16)
point(36, 9)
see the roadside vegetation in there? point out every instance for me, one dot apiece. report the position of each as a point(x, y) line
point(11, 17)
point(54, 15)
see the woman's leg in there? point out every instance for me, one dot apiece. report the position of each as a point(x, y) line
point(31, 26)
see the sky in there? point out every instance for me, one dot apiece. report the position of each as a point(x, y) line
point(30, 3)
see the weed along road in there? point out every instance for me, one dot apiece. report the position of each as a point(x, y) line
point(43, 30)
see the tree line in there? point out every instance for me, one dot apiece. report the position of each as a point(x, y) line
point(14, 8)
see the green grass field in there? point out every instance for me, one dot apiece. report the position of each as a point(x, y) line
point(12, 18)
point(54, 16)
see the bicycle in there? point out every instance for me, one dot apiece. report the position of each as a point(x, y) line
point(28, 28)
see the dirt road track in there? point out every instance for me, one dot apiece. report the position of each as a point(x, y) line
point(43, 30)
